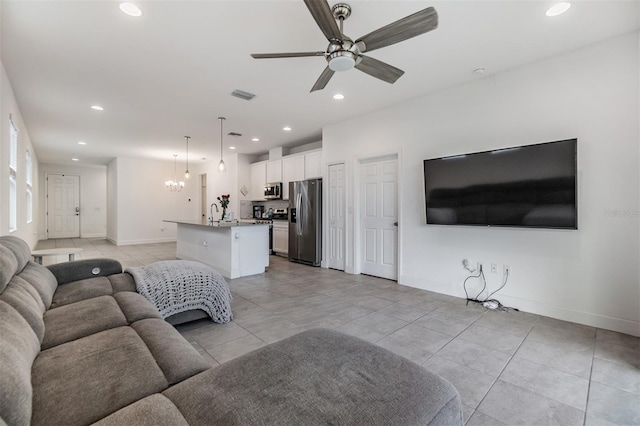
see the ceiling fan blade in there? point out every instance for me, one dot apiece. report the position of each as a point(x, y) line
point(379, 69)
point(321, 12)
point(403, 29)
point(285, 55)
point(323, 79)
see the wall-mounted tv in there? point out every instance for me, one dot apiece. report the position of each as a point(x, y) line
point(525, 186)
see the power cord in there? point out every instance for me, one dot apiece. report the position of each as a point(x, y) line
point(488, 302)
point(464, 284)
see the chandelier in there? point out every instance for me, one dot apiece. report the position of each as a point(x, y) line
point(174, 185)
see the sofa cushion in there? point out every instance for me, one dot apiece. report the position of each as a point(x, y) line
point(87, 379)
point(18, 349)
point(80, 319)
point(154, 410)
point(318, 377)
point(81, 290)
point(26, 300)
point(42, 280)
point(19, 248)
point(122, 282)
point(8, 266)
point(175, 356)
point(135, 307)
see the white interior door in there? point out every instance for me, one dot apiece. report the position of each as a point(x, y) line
point(378, 218)
point(336, 217)
point(63, 206)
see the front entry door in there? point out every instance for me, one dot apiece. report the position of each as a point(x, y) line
point(378, 218)
point(63, 206)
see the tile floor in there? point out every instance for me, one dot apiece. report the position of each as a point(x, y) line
point(509, 367)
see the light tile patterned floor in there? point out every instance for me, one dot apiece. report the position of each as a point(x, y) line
point(509, 367)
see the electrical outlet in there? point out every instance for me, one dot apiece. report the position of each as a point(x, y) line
point(506, 270)
point(494, 268)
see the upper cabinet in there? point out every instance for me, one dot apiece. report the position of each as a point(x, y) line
point(274, 171)
point(292, 170)
point(313, 165)
point(258, 180)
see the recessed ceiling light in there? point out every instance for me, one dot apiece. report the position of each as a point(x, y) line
point(558, 8)
point(255, 140)
point(286, 129)
point(75, 159)
point(97, 107)
point(232, 147)
point(479, 71)
point(338, 96)
point(130, 9)
point(82, 143)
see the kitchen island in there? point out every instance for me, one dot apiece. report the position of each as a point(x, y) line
point(231, 248)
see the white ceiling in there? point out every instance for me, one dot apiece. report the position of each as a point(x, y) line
point(170, 72)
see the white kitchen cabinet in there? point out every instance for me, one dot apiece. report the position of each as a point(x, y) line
point(292, 170)
point(313, 165)
point(281, 236)
point(274, 171)
point(258, 180)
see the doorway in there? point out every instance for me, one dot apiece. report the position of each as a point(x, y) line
point(63, 206)
point(203, 197)
point(336, 217)
point(379, 217)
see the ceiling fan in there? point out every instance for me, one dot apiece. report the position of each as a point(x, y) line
point(342, 54)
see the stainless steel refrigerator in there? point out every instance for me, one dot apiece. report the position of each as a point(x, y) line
point(305, 221)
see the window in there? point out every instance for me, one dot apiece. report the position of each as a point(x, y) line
point(29, 171)
point(13, 171)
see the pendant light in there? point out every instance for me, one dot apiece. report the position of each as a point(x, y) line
point(186, 172)
point(221, 165)
point(174, 185)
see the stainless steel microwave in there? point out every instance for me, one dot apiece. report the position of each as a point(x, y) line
point(273, 191)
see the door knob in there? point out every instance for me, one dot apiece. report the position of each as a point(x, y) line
point(395, 223)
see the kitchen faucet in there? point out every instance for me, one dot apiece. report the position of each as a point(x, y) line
point(211, 210)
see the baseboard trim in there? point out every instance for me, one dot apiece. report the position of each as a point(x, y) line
point(99, 235)
point(145, 241)
point(620, 325)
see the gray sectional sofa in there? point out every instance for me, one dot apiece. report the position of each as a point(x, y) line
point(79, 346)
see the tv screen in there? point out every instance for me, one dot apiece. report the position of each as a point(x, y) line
point(525, 186)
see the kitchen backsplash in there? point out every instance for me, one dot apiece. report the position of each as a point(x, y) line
point(246, 207)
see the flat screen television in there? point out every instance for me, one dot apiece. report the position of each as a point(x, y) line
point(525, 186)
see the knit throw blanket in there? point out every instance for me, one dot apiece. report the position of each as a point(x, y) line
point(174, 286)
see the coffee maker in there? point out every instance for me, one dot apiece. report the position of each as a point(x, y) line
point(258, 211)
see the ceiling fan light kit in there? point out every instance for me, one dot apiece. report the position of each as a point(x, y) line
point(343, 53)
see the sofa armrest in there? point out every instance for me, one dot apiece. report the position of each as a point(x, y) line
point(83, 269)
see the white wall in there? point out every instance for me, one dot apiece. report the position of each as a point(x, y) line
point(93, 198)
point(589, 276)
point(112, 200)
point(142, 201)
point(138, 201)
point(9, 107)
point(230, 182)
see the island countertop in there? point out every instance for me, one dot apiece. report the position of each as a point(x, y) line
point(215, 224)
point(234, 249)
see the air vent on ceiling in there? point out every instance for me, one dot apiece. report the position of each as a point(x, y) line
point(234, 134)
point(243, 95)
